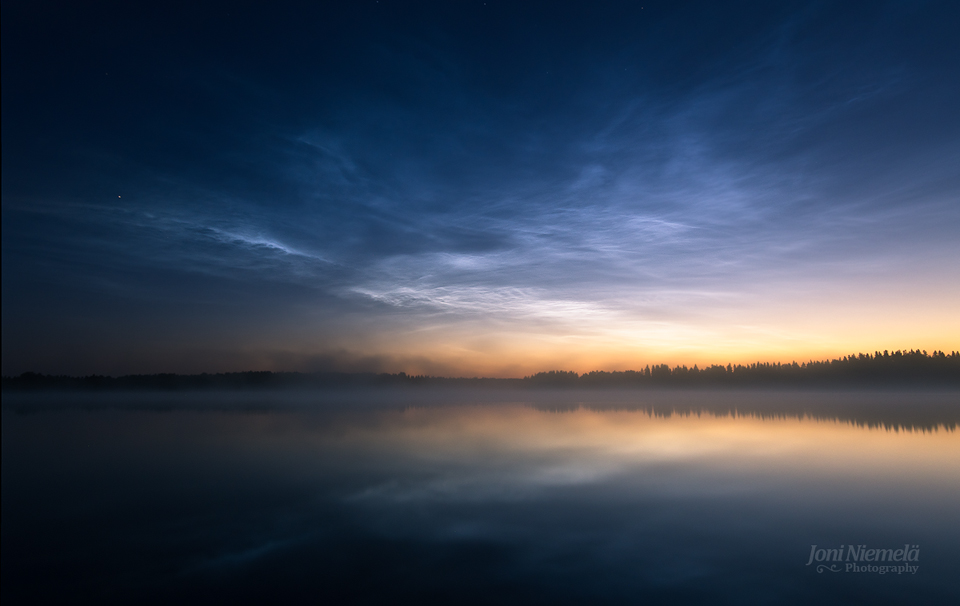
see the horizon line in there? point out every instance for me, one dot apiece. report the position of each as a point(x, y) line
point(650, 371)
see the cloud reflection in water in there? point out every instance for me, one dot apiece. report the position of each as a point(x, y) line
point(509, 502)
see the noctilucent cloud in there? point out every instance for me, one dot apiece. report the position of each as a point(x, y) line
point(476, 188)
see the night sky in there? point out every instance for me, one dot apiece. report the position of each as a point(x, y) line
point(476, 188)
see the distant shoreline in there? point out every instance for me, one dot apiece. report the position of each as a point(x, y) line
point(896, 369)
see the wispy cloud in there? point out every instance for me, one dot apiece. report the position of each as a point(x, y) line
point(639, 188)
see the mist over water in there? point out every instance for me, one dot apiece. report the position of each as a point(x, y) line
point(476, 497)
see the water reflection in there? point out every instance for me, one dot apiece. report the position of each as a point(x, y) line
point(689, 498)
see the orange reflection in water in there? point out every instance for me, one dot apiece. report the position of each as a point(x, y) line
point(640, 435)
point(515, 448)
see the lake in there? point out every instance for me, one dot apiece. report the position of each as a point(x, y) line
point(471, 497)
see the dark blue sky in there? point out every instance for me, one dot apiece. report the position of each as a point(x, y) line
point(476, 188)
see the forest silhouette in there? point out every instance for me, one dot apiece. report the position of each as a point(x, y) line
point(906, 368)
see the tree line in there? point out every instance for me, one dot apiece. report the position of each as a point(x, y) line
point(914, 367)
point(911, 367)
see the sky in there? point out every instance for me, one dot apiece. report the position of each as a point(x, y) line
point(476, 188)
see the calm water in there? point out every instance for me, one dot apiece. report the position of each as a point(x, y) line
point(507, 497)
